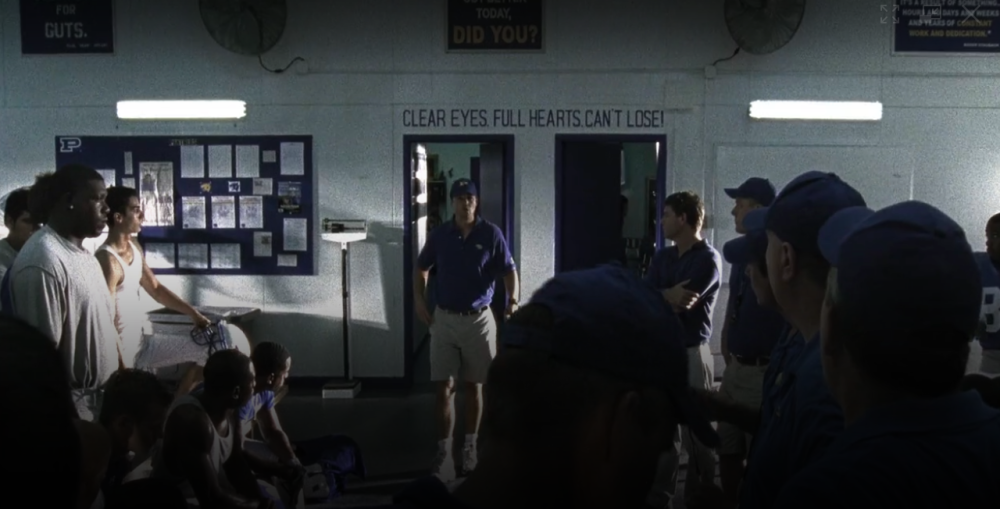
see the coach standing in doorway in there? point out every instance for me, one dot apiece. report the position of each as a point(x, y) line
point(749, 333)
point(469, 255)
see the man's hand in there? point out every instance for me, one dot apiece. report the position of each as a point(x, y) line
point(420, 307)
point(511, 309)
point(680, 297)
point(200, 321)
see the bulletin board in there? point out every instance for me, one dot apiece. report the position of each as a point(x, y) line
point(239, 205)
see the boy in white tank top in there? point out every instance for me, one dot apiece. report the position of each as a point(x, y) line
point(126, 272)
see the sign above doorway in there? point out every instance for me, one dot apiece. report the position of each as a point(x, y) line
point(495, 25)
point(67, 27)
point(539, 118)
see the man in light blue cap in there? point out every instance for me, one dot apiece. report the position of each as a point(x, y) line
point(901, 308)
point(581, 401)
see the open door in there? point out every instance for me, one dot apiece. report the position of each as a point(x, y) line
point(419, 229)
point(489, 178)
point(589, 205)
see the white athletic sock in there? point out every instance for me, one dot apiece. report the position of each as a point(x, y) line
point(445, 445)
point(470, 441)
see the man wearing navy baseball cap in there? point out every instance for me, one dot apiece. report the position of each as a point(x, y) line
point(749, 333)
point(469, 255)
point(901, 308)
point(799, 417)
point(581, 402)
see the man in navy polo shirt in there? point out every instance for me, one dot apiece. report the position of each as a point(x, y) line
point(469, 254)
point(688, 276)
point(902, 306)
point(583, 398)
point(749, 333)
point(989, 334)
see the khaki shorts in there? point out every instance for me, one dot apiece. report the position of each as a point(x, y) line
point(744, 384)
point(462, 345)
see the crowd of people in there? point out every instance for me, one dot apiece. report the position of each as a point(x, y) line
point(846, 337)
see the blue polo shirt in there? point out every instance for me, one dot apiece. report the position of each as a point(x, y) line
point(783, 355)
point(990, 339)
point(425, 493)
point(916, 454)
point(796, 428)
point(467, 268)
point(702, 265)
point(754, 330)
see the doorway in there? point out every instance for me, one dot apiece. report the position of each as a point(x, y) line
point(430, 165)
point(609, 199)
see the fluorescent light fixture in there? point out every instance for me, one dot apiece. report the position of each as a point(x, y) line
point(816, 110)
point(181, 110)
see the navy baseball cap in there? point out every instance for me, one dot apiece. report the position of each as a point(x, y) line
point(463, 186)
point(609, 320)
point(803, 207)
point(758, 189)
point(908, 266)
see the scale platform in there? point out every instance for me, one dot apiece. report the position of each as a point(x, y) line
point(341, 389)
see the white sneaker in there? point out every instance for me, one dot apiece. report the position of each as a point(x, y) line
point(444, 467)
point(469, 459)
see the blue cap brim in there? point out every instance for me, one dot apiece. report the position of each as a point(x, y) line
point(738, 251)
point(838, 228)
point(732, 192)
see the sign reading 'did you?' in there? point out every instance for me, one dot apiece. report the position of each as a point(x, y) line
point(597, 118)
point(495, 25)
point(50, 27)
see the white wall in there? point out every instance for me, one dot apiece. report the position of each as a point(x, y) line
point(371, 59)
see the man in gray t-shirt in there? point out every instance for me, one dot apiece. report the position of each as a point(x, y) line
point(57, 285)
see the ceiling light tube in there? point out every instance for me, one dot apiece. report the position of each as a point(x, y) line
point(181, 110)
point(816, 110)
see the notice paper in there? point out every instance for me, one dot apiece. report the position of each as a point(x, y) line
point(293, 159)
point(194, 212)
point(262, 244)
point(128, 182)
point(128, 163)
point(192, 256)
point(288, 260)
point(225, 256)
point(270, 156)
point(251, 212)
point(289, 197)
point(296, 234)
point(247, 161)
point(223, 212)
point(220, 161)
point(263, 187)
point(159, 256)
point(193, 161)
point(156, 193)
point(108, 176)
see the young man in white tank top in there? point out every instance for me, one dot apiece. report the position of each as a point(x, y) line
point(126, 273)
point(202, 449)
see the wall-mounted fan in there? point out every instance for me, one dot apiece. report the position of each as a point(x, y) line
point(760, 27)
point(247, 27)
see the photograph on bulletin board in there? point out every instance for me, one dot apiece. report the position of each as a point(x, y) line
point(289, 197)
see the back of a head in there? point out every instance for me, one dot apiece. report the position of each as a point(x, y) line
point(224, 370)
point(906, 295)
point(53, 189)
point(269, 358)
point(16, 205)
point(131, 392)
point(41, 447)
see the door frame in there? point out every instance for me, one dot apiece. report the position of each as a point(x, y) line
point(560, 175)
point(507, 140)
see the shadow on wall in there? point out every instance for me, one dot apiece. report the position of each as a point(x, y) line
point(314, 341)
